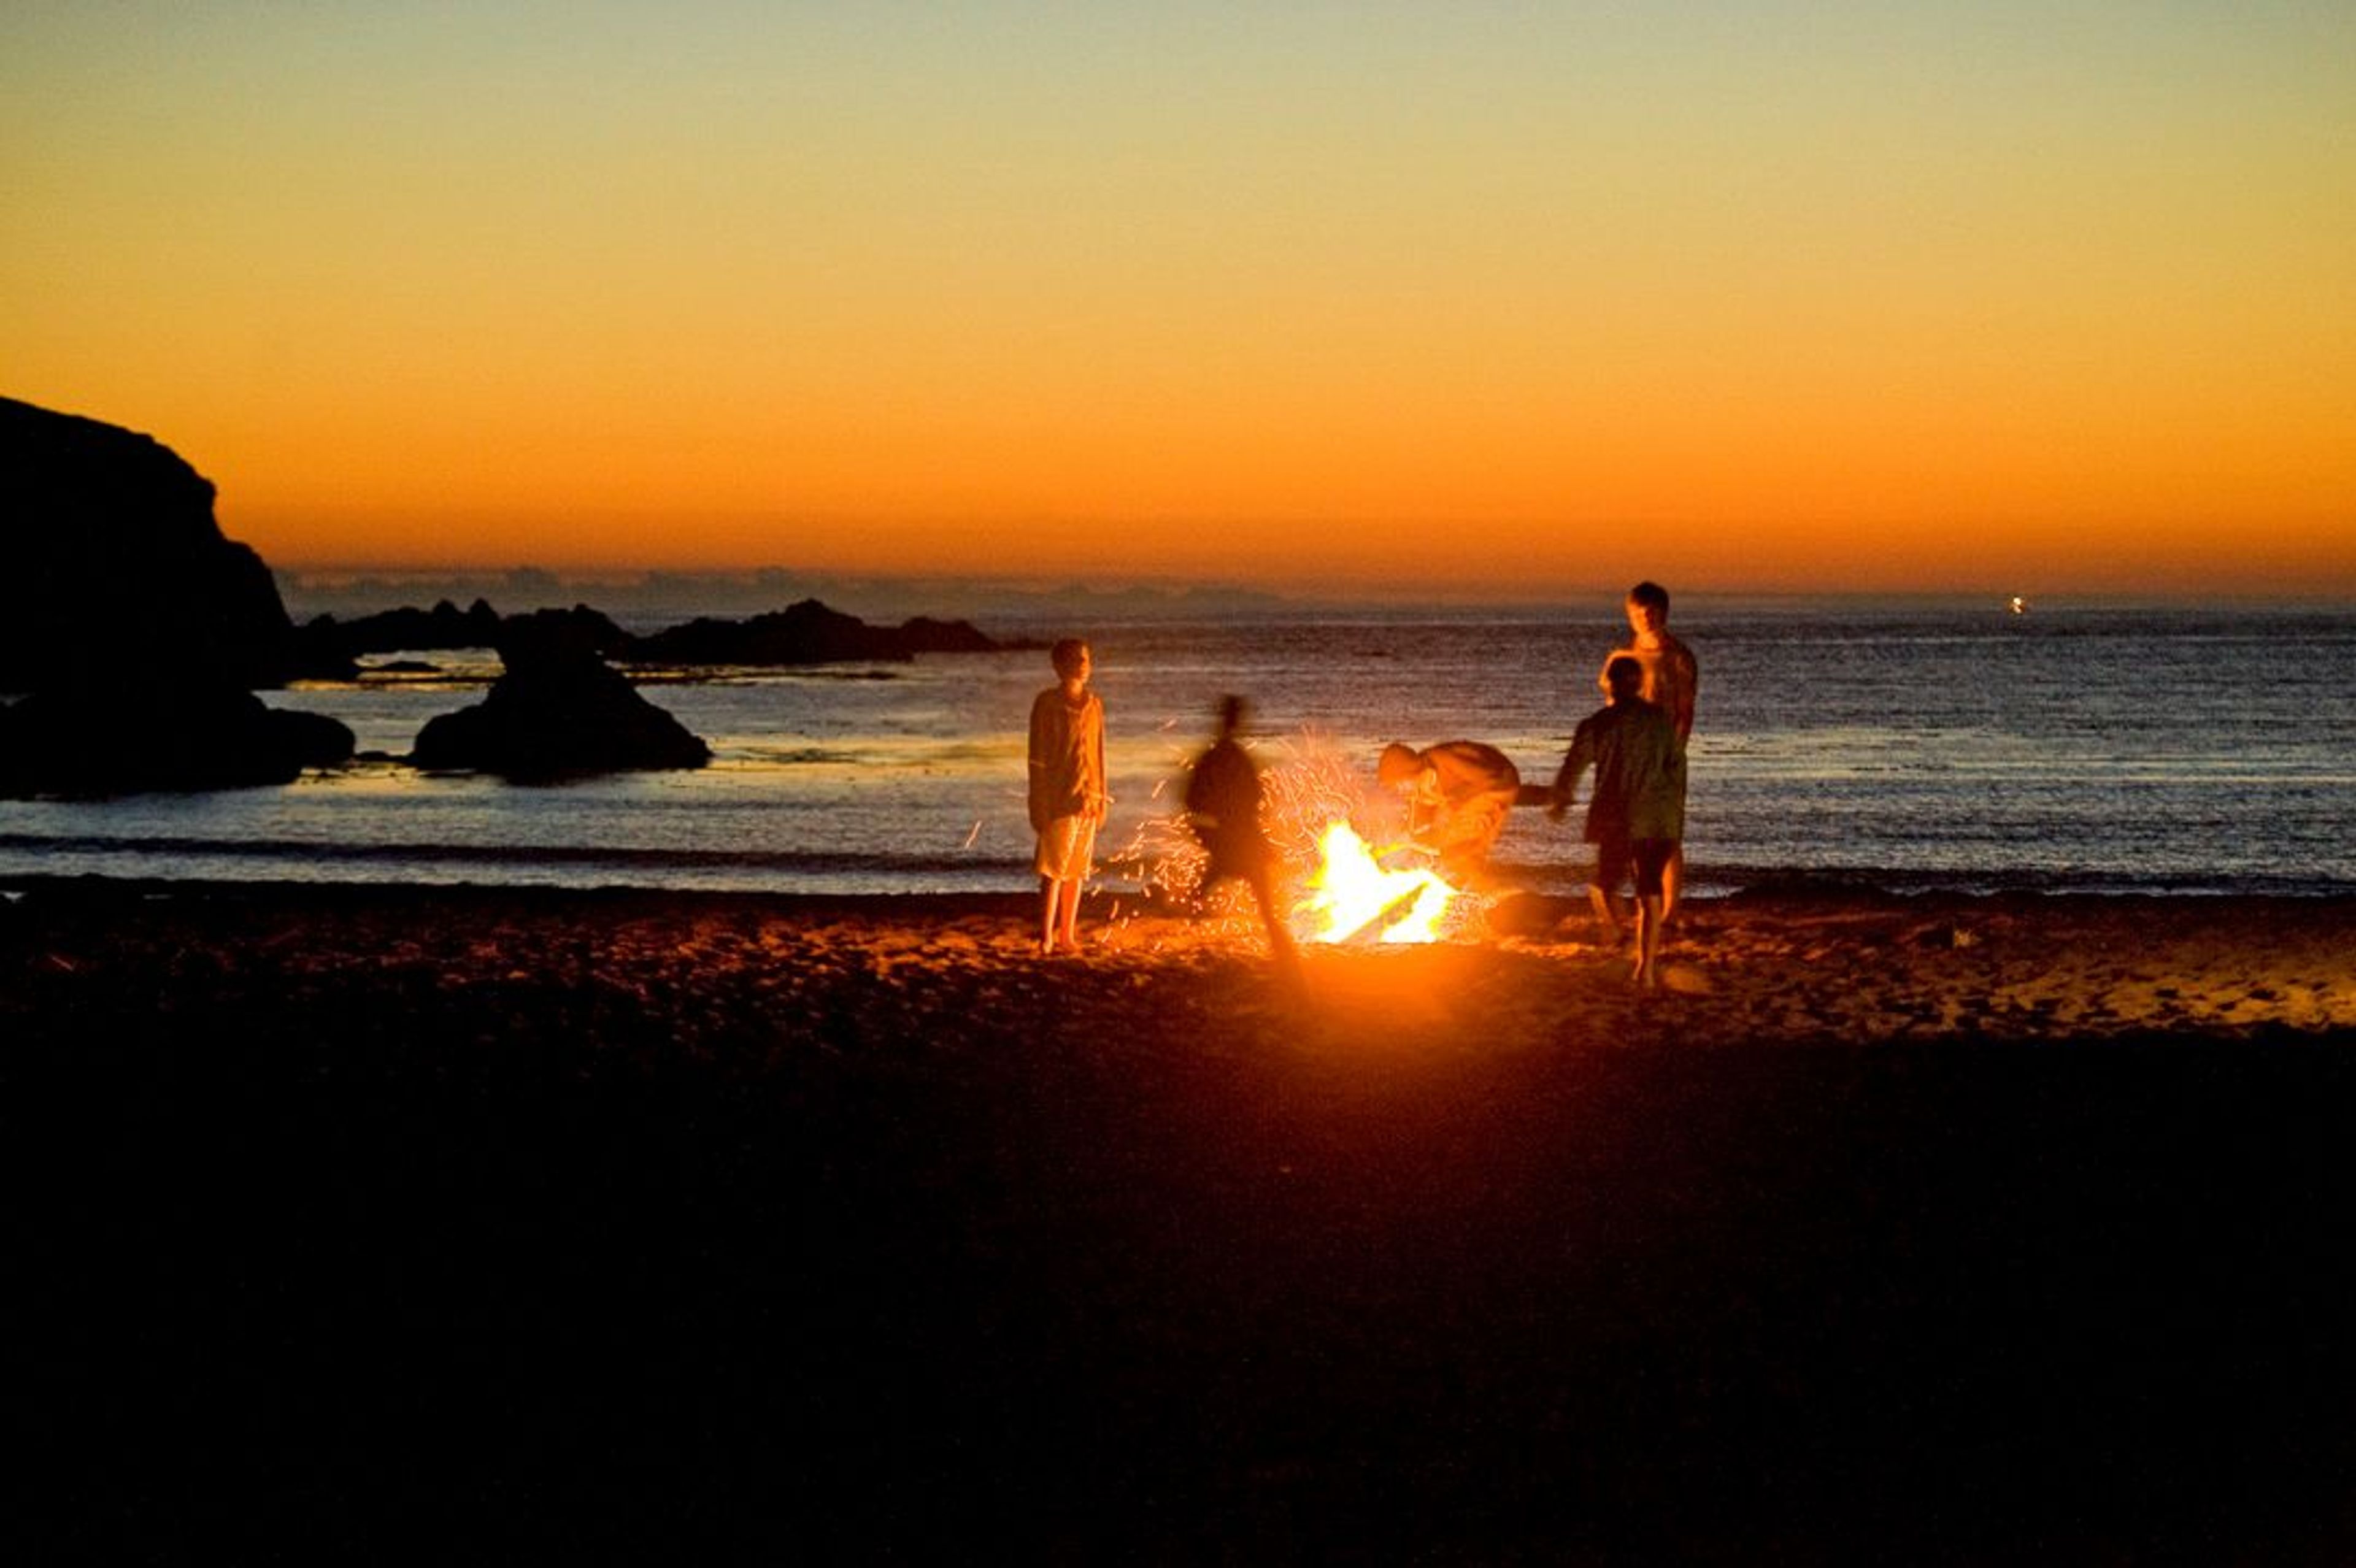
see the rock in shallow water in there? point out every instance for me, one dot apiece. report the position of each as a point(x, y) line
point(559, 711)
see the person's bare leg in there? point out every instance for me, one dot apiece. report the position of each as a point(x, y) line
point(1607, 906)
point(1068, 925)
point(1673, 877)
point(1648, 940)
point(1280, 937)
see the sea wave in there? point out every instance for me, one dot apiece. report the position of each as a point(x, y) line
point(819, 861)
point(25, 855)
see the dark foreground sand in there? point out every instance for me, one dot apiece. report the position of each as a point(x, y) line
point(433, 1225)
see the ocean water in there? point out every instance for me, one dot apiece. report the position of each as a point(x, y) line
point(1902, 745)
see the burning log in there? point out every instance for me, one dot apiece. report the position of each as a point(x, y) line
point(1386, 918)
point(1353, 897)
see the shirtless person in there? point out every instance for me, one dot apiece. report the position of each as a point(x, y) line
point(1670, 680)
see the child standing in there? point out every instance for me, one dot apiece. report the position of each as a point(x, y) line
point(1636, 815)
point(1067, 795)
point(1670, 680)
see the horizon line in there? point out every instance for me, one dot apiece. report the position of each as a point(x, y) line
point(348, 577)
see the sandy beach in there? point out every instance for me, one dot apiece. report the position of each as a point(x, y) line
point(349, 1220)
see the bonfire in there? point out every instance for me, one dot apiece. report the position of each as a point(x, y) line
point(1345, 887)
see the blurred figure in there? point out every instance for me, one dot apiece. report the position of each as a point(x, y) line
point(1636, 815)
point(1067, 797)
point(1458, 794)
point(1223, 797)
point(1671, 681)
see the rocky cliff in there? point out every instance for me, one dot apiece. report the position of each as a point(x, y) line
point(116, 566)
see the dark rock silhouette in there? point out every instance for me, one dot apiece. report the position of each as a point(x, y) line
point(559, 711)
point(329, 648)
point(924, 635)
point(140, 633)
point(117, 568)
point(186, 734)
point(802, 634)
point(138, 629)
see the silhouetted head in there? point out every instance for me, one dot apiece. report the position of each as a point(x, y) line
point(1398, 766)
point(1625, 676)
point(1070, 657)
point(1232, 710)
point(1648, 606)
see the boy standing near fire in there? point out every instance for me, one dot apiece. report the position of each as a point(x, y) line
point(1067, 797)
point(1635, 817)
point(1671, 679)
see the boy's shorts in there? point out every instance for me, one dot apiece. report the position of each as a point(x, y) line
point(1645, 859)
point(1067, 848)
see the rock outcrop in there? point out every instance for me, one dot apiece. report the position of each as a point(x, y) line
point(559, 711)
point(329, 649)
point(172, 735)
point(116, 569)
point(806, 633)
point(802, 634)
point(138, 631)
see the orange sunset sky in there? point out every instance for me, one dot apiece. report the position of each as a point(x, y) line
point(1431, 298)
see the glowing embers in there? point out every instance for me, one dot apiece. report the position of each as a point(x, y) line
point(1352, 897)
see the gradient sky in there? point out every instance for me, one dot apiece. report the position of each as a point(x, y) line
point(1437, 297)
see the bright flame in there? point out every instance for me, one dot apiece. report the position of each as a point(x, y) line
point(1353, 895)
point(1309, 794)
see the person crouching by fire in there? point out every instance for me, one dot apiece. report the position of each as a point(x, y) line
point(1458, 795)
